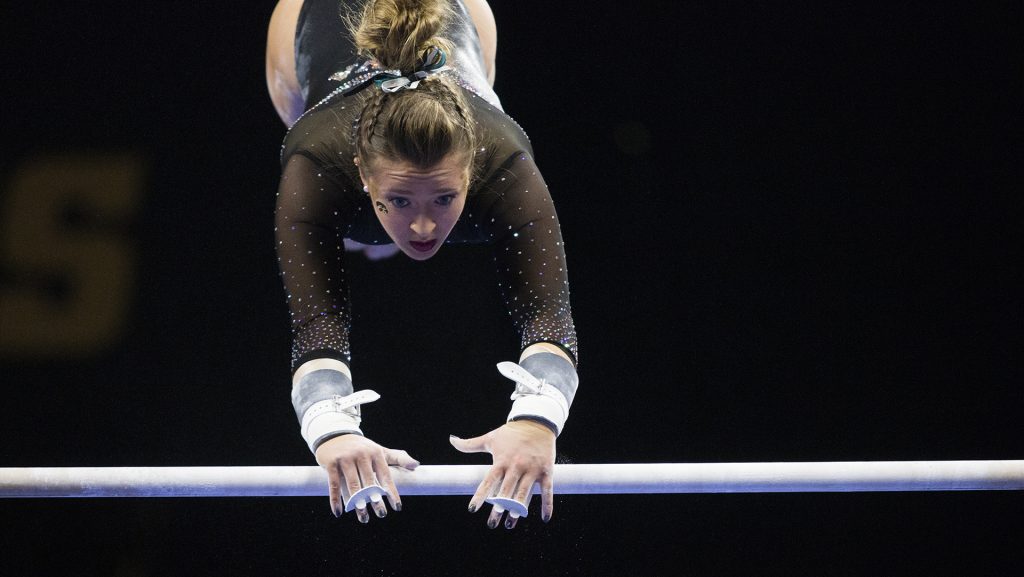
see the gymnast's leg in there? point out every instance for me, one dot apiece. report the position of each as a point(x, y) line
point(282, 81)
point(483, 19)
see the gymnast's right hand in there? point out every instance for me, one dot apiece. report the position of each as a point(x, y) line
point(352, 461)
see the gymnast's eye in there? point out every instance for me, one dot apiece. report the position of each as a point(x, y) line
point(445, 200)
point(399, 202)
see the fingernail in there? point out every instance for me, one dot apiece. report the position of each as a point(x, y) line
point(492, 523)
point(454, 437)
point(381, 513)
point(337, 510)
point(509, 523)
point(545, 518)
point(398, 506)
point(472, 508)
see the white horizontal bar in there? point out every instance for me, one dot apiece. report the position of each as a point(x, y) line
point(621, 478)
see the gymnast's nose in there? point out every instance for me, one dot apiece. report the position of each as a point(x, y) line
point(423, 226)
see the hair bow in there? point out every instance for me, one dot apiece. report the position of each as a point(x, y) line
point(434, 60)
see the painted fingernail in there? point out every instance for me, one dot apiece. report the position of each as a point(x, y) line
point(381, 513)
point(337, 510)
point(472, 508)
point(398, 506)
point(545, 518)
point(510, 522)
point(492, 523)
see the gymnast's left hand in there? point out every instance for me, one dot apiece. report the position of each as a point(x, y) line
point(522, 453)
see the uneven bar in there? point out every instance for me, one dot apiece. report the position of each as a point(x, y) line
point(579, 479)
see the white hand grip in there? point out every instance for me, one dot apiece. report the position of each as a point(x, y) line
point(501, 504)
point(359, 498)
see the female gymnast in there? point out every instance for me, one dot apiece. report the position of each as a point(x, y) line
point(396, 137)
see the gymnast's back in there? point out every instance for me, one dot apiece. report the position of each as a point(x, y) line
point(324, 47)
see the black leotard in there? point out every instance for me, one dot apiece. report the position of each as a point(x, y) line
point(321, 201)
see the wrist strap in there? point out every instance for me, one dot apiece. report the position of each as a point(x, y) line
point(534, 397)
point(334, 416)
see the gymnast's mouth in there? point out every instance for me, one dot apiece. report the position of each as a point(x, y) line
point(423, 246)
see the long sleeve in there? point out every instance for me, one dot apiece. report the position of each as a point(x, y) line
point(529, 254)
point(312, 217)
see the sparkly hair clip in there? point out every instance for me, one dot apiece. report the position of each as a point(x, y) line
point(434, 60)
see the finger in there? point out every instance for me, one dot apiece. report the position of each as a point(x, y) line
point(523, 492)
point(351, 477)
point(507, 488)
point(495, 517)
point(353, 485)
point(509, 483)
point(474, 445)
point(334, 481)
point(384, 476)
point(378, 506)
point(483, 490)
point(376, 502)
point(400, 458)
point(547, 497)
point(366, 466)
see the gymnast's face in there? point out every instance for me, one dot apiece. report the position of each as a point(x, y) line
point(418, 208)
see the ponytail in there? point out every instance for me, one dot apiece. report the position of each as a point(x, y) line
point(395, 33)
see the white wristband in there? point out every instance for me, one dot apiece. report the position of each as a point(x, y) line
point(535, 398)
point(335, 415)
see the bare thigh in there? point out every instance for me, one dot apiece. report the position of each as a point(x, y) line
point(483, 19)
point(282, 81)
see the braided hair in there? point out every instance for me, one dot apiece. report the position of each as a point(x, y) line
point(420, 126)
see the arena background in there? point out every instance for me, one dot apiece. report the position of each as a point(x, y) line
point(790, 230)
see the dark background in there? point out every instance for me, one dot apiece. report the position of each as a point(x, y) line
point(790, 229)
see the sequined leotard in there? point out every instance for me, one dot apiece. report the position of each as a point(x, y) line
point(321, 201)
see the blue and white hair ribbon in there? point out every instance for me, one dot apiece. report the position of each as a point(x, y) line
point(390, 81)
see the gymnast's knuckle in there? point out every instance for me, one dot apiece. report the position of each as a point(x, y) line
point(521, 461)
point(527, 463)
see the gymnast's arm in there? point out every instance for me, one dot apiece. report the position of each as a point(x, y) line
point(311, 219)
point(532, 274)
point(529, 255)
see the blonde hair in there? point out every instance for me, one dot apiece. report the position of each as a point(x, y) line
point(422, 125)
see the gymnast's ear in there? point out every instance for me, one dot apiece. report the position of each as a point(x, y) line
point(362, 175)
